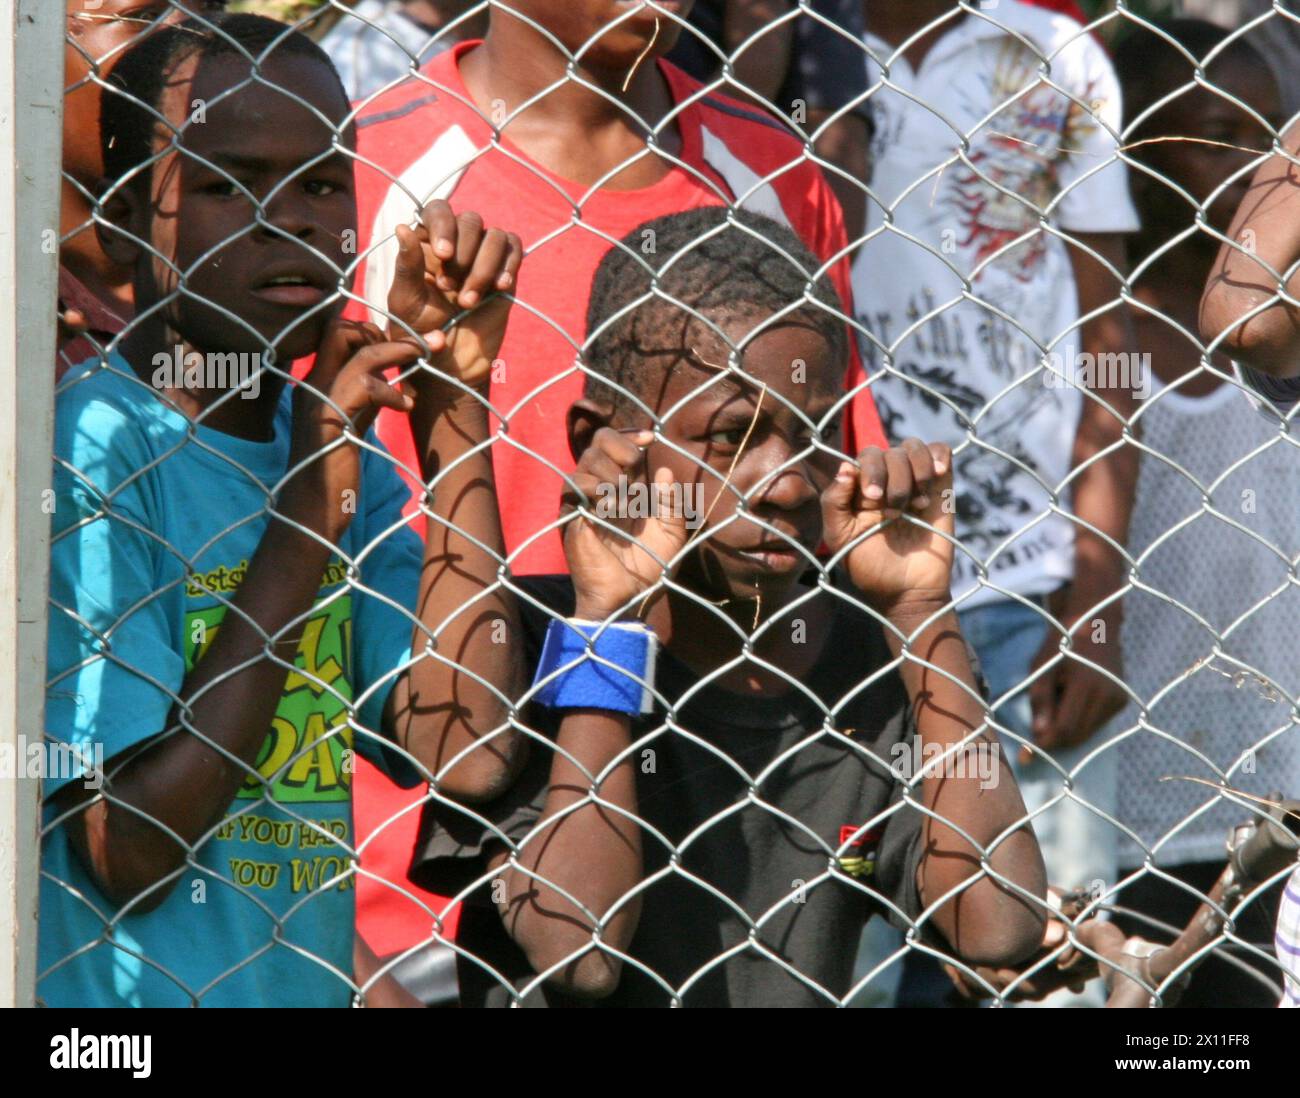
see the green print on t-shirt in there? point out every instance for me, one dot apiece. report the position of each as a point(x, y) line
point(308, 754)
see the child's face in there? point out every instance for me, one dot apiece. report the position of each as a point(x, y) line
point(717, 429)
point(270, 275)
point(1198, 167)
point(577, 22)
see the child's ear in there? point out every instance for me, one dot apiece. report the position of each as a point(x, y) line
point(121, 211)
point(587, 415)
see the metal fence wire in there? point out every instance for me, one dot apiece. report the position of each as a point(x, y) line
point(769, 236)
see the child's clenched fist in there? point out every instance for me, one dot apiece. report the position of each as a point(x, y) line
point(890, 519)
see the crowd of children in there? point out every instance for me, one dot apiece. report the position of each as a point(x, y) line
point(652, 755)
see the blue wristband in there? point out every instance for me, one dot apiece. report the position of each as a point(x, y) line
point(568, 677)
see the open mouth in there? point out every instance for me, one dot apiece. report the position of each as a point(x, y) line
point(294, 290)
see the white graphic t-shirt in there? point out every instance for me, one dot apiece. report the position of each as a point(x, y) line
point(1006, 132)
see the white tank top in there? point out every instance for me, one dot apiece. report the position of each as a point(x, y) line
point(1209, 576)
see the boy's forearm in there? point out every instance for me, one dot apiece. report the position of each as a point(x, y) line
point(439, 709)
point(591, 853)
point(972, 787)
point(185, 781)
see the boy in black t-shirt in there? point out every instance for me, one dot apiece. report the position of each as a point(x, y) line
point(717, 832)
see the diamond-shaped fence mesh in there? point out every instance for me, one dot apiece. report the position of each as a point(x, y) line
point(492, 559)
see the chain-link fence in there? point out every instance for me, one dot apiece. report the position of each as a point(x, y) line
point(491, 558)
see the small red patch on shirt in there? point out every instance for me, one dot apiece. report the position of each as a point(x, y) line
point(847, 831)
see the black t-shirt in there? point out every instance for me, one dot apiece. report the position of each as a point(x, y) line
point(766, 862)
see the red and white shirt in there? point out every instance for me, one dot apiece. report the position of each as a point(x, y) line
point(427, 139)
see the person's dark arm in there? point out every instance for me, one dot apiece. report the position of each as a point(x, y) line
point(164, 798)
point(579, 862)
point(451, 711)
point(1256, 269)
point(986, 923)
point(891, 515)
point(583, 858)
point(439, 710)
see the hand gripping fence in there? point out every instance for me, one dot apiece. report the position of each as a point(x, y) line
point(1124, 524)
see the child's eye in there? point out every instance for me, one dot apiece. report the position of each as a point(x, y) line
point(320, 188)
point(827, 433)
point(223, 188)
point(733, 436)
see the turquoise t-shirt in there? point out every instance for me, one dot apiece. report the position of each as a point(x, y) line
point(155, 522)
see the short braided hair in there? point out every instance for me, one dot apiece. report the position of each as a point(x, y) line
point(128, 112)
point(724, 264)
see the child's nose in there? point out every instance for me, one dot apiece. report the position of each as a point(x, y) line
point(785, 480)
point(286, 215)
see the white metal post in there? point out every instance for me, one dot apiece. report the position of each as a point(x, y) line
point(31, 114)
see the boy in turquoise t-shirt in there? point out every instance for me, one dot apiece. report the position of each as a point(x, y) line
point(237, 603)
